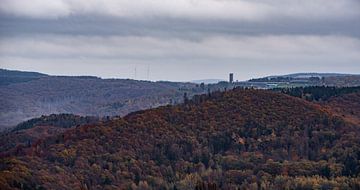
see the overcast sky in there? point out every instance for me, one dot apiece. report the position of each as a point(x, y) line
point(180, 40)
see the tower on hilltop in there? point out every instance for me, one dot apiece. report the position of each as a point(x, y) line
point(231, 77)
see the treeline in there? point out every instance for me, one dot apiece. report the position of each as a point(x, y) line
point(317, 93)
point(57, 120)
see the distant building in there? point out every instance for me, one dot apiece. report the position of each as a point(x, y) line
point(231, 77)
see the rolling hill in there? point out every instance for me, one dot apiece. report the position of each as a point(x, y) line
point(86, 96)
point(246, 139)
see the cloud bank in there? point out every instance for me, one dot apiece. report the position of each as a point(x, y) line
point(189, 9)
point(216, 53)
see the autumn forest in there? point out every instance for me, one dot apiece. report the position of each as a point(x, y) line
point(237, 139)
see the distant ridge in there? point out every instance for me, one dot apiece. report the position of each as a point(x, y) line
point(9, 76)
point(308, 75)
point(14, 73)
point(26, 95)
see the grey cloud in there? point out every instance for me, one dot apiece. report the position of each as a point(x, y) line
point(214, 47)
point(180, 28)
point(181, 18)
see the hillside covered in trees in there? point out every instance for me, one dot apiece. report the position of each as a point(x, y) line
point(342, 101)
point(347, 106)
point(29, 132)
point(238, 139)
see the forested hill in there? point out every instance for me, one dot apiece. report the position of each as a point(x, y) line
point(248, 139)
